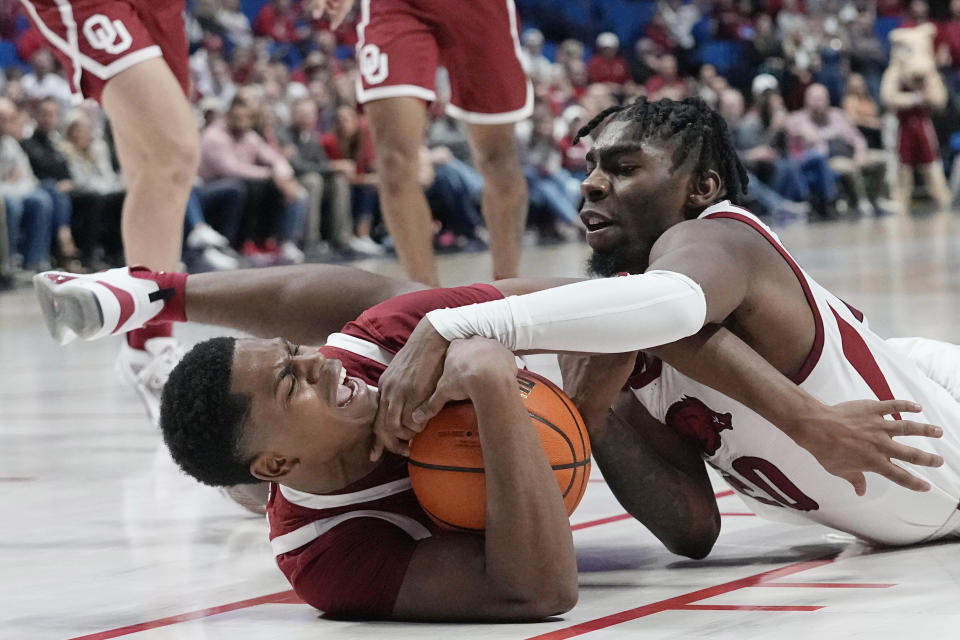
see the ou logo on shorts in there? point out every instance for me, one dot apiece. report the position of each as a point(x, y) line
point(373, 64)
point(110, 36)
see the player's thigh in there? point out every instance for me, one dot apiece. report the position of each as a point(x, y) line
point(396, 52)
point(151, 115)
point(479, 47)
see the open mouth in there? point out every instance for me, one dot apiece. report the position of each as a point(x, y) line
point(347, 389)
point(593, 221)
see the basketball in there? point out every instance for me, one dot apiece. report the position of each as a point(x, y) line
point(446, 461)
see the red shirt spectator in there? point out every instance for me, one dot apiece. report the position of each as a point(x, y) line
point(29, 42)
point(606, 65)
point(277, 20)
point(350, 140)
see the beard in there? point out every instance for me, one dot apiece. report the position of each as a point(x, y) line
point(629, 257)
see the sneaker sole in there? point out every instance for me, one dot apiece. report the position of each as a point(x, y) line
point(69, 313)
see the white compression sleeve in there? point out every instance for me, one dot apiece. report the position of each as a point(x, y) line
point(610, 315)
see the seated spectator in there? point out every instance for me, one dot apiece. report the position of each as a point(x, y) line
point(44, 81)
point(554, 193)
point(826, 130)
point(51, 168)
point(666, 83)
point(574, 156)
point(349, 141)
point(868, 54)
point(232, 149)
point(538, 67)
point(98, 193)
point(329, 212)
point(235, 24)
point(452, 204)
point(606, 65)
point(29, 208)
point(862, 110)
point(277, 20)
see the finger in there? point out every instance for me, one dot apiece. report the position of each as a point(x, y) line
point(376, 451)
point(388, 416)
point(859, 483)
point(915, 456)
point(888, 407)
point(911, 428)
point(422, 414)
point(903, 478)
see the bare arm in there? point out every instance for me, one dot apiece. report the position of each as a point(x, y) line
point(524, 567)
point(302, 303)
point(847, 439)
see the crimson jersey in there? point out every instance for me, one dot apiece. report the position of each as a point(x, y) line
point(346, 552)
point(781, 480)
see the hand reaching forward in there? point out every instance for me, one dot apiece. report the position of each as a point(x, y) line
point(851, 438)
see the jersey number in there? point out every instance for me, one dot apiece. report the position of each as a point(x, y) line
point(767, 478)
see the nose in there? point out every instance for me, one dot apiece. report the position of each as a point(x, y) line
point(308, 366)
point(595, 186)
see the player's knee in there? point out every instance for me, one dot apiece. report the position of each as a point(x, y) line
point(176, 158)
point(499, 164)
point(695, 544)
point(398, 167)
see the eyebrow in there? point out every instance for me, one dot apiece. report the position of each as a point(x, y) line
point(614, 150)
point(284, 370)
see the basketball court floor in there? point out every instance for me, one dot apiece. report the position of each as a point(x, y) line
point(100, 537)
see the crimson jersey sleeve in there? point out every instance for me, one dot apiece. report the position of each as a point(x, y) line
point(353, 571)
point(391, 322)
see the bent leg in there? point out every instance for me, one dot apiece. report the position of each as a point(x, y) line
point(158, 147)
point(397, 125)
point(504, 204)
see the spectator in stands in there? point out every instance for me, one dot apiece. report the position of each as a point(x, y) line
point(863, 111)
point(767, 45)
point(99, 193)
point(538, 67)
point(606, 64)
point(44, 81)
point(235, 24)
point(666, 83)
point(949, 50)
point(232, 149)
point(868, 55)
point(349, 141)
point(574, 156)
point(326, 180)
point(826, 130)
point(554, 193)
point(29, 208)
point(277, 20)
point(451, 202)
point(51, 168)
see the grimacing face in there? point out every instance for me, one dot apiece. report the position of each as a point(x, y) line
point(632, 194)
point(306, 415)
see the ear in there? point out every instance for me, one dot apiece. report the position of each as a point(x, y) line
point(705, 190)
point(270, 466)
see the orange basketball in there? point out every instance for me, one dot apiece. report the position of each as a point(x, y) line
point(446, 462)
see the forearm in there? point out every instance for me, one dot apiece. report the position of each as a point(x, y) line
point(675, 504)
point(611, 315)
point(529, 544)
point(721, 360)
point(301, 303)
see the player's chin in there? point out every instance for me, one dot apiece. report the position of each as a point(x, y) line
point(604, 238)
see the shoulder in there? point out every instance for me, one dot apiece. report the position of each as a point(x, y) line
point(723, 232)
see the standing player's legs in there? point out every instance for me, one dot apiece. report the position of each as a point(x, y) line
point(397, 125)
point(504, 204)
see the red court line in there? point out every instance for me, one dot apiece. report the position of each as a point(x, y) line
point(679, 601)
point(283, 597)
point(594, 523)
point(745, 607)
point(827, 585)
point(723, 494)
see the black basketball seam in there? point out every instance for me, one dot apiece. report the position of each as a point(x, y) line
point(573, 454)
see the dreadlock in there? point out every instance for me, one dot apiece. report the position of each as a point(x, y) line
point(702, 132)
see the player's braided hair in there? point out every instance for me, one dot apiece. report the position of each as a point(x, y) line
point(202, 420)
point(702, 132)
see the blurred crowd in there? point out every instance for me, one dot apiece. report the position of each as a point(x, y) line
point(288, 172)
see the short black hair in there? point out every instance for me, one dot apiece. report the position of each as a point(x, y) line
point(701, 131)
point(202, 420)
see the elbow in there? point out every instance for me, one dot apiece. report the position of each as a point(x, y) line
point(544, 599)
point(697, 542)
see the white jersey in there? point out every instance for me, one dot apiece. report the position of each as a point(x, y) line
point(780, 479)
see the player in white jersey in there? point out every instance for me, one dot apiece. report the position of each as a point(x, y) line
point(658, 204)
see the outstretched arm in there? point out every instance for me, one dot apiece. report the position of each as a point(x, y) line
point(304, 303)
point(848, 439)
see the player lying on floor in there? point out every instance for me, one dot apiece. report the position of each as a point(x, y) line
point(346, 531)
point(660, 202)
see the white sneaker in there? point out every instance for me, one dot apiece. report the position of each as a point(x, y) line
point(290, 253)
point(203, 235)
point(365, 245)
point(147, 370)
point(95, 305)
point(219, 260)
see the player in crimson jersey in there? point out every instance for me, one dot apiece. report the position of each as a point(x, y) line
point(660, 202)
point(400, 44)
point(131, 56)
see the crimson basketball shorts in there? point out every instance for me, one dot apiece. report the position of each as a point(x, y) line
point(97, 39)
point(917, 141)
point(401, 43)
